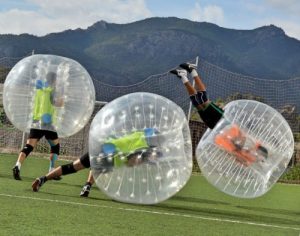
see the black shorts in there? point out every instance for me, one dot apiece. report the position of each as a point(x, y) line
point(199, 98)
point(39, 133)
point(85, 160)
point(102, 166)
point(211, 115)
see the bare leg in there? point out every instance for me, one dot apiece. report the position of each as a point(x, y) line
point(90, 178)
point(30, 144)
point(182, 74)
point(88, 185)
point(57, 172)
point(22, 155)
point(190, 89)
point(200, 86)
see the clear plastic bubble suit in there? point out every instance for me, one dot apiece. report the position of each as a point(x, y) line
point(248, 150)
point(49, 92)
point(140, 148)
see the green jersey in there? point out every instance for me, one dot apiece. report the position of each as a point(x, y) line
point(128, 144)
point(42, 103)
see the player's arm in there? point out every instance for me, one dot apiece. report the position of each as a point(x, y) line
point(56, 99)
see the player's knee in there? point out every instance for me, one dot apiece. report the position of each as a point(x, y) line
point(55, 149)
point(68, 169)
point(27, 149)
point(202, 97)
point(195, 101)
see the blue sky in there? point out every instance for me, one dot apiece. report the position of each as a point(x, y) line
point(40, 17)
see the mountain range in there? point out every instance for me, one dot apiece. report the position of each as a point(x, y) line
point(122, 54)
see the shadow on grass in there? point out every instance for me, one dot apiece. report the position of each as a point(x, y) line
point(258, 209)
point(230, 214)
point(272, 211)
point(10, 177)
point(43, 193)
point(198, 200)
point(30, 180)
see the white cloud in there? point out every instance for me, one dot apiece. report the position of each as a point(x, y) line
point(58, 15)
point(284, 14)
point(210, 13)
point(287, 6)
point(292, 29)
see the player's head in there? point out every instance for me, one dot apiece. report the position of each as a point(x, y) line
point(51, 78)
point(135, 159)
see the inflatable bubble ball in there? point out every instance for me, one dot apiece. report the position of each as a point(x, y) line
point(49, 92)
point(140, 148)
point(247, 151)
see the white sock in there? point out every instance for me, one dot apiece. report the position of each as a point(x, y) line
point(184, 79)
point(194, 73)
point(18, 164)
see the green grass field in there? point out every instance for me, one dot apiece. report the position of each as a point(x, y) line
point(198, 209)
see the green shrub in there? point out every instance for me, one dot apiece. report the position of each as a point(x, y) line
point(292, 174)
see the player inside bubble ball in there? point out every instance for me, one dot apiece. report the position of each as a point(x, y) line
point(129, 150)
point(232, 138)
point(46, 98)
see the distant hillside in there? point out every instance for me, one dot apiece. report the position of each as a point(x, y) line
point(126, 53)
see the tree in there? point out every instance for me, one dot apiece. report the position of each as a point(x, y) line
point(3, 73)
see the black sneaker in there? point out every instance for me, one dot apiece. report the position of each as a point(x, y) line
point(188, 66)
point(179, 72)
point(16, 173)
point(85, 190)
point(38, 183)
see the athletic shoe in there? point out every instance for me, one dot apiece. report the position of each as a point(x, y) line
point(38, 183)
point(179, 73)
point(16, 173)
point(85, 190)
point(188, 66)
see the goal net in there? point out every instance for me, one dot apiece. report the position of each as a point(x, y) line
point(223, 86)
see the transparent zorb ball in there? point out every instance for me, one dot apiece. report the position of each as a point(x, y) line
point(140, 148)
point(49, 92)
point(247, 151)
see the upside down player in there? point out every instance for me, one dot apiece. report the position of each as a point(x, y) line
point(232, 139)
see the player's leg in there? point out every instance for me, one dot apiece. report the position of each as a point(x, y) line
point(192, 69)
point(52, 139)
point(88, 185)
point(182, 74)
point(73, 167)
point(201, 94)
point(34, 137)
point(209, 112)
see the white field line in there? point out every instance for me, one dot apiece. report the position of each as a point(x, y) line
point(153, 212)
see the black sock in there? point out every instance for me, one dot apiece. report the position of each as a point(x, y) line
point(43, 179)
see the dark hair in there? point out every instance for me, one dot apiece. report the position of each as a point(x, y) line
point(51, 78)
